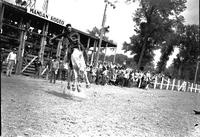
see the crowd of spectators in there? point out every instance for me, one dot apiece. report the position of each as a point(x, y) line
point(105, 73)
point(119, 75)
point(109, 74)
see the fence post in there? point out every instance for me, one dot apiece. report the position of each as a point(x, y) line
point(191, 87)
point(161, 83)
point(155, 83)
point(185, 88)
point(179, 85)
point(182, 86)
point(168, 82)
point(173, 84)
point(195, 88)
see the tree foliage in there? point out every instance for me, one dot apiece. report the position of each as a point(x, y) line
point(97, 32)
point(154, 22)
point(189, 52)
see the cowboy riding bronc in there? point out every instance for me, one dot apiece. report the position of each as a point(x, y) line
point(71, 40)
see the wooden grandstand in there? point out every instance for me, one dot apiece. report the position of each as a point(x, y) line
point(28, 30)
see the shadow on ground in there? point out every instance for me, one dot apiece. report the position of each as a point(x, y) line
point(64, 96)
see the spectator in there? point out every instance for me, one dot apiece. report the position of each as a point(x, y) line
point(54, 70)
point(11, 60)
point(37, 65)
point(48, 65)
point(62, 71)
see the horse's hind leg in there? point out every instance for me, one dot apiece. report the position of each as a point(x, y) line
point(86, 79)
point(74, 86)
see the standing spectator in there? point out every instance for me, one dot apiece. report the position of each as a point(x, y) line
point(62, 70)
point(54, 70)
point(37, 65)
point(48, 65)
point(11, 60)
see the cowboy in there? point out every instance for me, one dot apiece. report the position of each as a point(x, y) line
point(11, 60)
point(71, 40)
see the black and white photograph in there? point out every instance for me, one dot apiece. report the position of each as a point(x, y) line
point(100, 68)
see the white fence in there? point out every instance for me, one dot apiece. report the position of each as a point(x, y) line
point(174, 84)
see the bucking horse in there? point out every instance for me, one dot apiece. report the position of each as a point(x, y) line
point(77, 67)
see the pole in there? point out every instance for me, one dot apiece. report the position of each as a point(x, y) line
point(114, 59)
point(93, 52)
point(1, 15)
point(105, 52)
point(101, 35)
point(195, 78)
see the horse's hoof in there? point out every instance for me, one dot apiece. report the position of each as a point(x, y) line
point(87, 86)
point(68, 87)
point(79, 90)
point(73, 89)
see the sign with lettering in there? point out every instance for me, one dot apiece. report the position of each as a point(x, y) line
point(45, 16)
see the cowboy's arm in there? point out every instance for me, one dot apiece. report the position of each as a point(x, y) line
point(58, 36)
point(77, 37)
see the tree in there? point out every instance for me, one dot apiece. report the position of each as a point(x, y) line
point(154, 21)
point(96, 32)
point(166, 50)
point(189, 51)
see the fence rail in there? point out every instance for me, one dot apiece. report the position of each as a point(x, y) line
point(174, 84)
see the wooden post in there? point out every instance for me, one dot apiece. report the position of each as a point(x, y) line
point(2, 7)
point(185, 88)
point(182, 86)
point(161, 85)
point(173, 84)
point(59, 47)
point(179, 84)
point(168, 82)
point(197, 68)
point(155, 83)
point(105, 52)
point(21, 48)
point(195, 88)
point(191, 87)
point(88, 45)
point(87, 49)
point(115, 56)
point(43, 42)
point(93, 52)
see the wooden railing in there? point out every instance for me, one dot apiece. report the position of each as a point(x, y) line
point(174, 84)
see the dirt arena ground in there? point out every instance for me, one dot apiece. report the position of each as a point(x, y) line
point(36, 108)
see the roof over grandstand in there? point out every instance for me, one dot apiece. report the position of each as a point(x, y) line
point(39, 17)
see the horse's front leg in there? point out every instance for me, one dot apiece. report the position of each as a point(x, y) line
point(69, 78)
